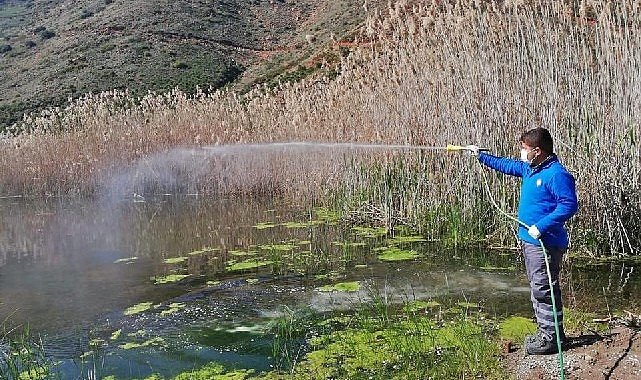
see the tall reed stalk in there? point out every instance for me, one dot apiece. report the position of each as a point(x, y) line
point(428, 73)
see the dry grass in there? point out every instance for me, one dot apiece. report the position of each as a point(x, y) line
point(440, 72)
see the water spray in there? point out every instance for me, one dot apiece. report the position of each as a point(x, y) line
point(304, 144)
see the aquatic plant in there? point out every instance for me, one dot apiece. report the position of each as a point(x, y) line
point(245, 265)
point(352, 286)
point(170, 278)
point(175, 260)
point(22, 356)
point(290, 332)
point(396, 254)
point(139, 308)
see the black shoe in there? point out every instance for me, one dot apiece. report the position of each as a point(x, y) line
point(537, 335)
point(541, 335)
point(541, 344)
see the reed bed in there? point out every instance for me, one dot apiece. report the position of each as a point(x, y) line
point(427, 73)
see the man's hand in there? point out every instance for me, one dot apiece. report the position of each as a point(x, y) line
point(534, 232)
point(473, 149)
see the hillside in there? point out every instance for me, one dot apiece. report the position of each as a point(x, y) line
point(53, 50)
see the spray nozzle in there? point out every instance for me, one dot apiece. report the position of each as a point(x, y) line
point(458, 148)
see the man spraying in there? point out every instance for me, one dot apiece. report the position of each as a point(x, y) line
point(548, 199)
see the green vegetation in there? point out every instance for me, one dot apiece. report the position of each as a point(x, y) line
point(170, 278)
point(175, 260)
point(352, 286)
point(22, 356)
point(245, 265)
point(516, 328)
point(139, 308)
point(407, 345)
point(396, 254)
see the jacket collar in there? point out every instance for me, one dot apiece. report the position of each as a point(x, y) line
point(549, 160)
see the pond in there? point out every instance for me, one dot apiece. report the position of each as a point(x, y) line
point(169, 283)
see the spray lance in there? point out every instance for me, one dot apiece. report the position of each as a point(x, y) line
point(471, 148)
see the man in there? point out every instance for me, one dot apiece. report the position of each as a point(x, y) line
point(548, 199)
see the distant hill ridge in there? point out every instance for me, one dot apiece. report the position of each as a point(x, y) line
point(53, 50)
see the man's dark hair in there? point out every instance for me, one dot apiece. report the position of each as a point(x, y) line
point(538, 137)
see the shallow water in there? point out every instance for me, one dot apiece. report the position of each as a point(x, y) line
point(71, 268)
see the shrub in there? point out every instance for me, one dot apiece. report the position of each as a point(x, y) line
point(47, 34)
point(180, 64)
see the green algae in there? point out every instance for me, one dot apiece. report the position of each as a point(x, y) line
point(137, 334)
point(414, 306)
point(243, 253)
point(396, 254)
point(245, 265)
point(204, 250)
point(116, 334)
point(278, 247)
point(491, 268)
point(415, 348)
point(139, 308)
point(326, 215)
point(370, 232)
point(157, 341)
point(311, 223)
point(516, 328)
point(352, 286)
point(35, 372)
point(170, 278)
point(211, 371)
point(349, 244)
point(173, 307)
point(175, 260)
point(406, 239)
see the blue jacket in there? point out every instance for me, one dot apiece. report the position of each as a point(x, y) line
point(548, 197)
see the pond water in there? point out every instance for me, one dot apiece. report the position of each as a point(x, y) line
point(162, 285)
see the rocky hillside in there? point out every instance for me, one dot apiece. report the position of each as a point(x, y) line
point(53, 50)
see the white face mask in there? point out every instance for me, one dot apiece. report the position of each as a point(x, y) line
point(524, 154)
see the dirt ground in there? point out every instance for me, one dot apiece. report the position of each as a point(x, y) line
point(615, 355)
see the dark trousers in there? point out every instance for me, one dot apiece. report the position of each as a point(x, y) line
point(540, 287)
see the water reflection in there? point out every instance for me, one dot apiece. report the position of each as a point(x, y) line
point(58, 257)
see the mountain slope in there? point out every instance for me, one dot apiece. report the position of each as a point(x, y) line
point(51, 50)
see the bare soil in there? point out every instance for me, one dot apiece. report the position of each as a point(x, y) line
point(614, 355)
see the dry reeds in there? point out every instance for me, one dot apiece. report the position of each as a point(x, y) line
point(431, 73)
